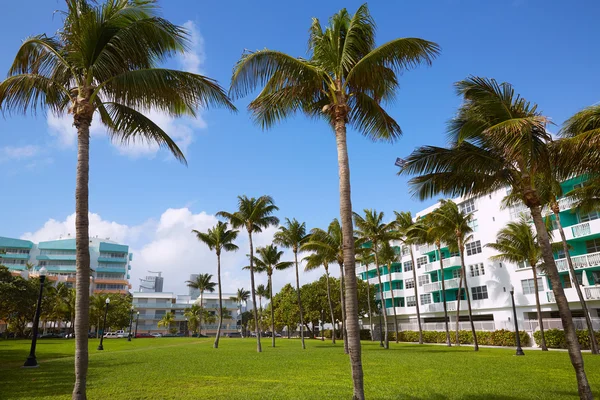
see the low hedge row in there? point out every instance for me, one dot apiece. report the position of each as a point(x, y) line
point(365, 334)
point(500, 337)
point(555, 338)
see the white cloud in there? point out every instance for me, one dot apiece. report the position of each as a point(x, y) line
point(167, 244)
point(193, 59)
point(9, 153)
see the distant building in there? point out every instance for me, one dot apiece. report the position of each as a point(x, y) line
point(109, 261)
point(152, 283)
point(194, 293)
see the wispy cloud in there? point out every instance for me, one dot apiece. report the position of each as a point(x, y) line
point(193, 59)
point(16, 153)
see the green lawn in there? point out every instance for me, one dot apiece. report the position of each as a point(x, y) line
point(186, 368)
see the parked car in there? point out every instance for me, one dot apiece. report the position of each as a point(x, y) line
point(143, 335)
point(70, 335)
point(156, 334)
point(121, 333)
point(233, 335)
point(110, 335)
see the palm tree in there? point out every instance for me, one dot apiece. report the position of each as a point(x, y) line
point(292, 236)
point(194, 316)
point(241, 297)
point(345, 80)
point(219, 238)
point(103, 59)
point(268, 260)
point(318, 260)
point(457, 223)
point(364, 256)
point(498, 139)
point(371, 229)
point(167, 320)
point(262, 291)
point(253, 214)
point(404, 224)
point(517, 243)
point(388, 256)
point(203, 283)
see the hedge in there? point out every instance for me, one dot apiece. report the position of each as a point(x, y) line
point(365, 334)
point(555, 338)
point(500, 337)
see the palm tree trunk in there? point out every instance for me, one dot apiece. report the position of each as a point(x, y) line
point(369, 303)
point(258, 347)
point(216, 344)
point(201, 311)
point(352, 328)
point(82, 121)
point(393, 302)
point(464, 274)
point(439, 247)
point(458, 298)
point(330, 305)
point(260, 310)
point(272, 313)
point(343, 307)
point(386, 344)
point(299, 301)
point(584, 308)
point(412, 257)
point(583, 387)
point(538, 309)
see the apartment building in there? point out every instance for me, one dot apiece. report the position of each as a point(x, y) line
point(490, 281)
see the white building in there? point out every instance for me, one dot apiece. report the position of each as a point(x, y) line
point(490, 282)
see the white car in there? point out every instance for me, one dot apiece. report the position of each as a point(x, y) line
point(110, 335)
point(121, 334)
point(156, 334)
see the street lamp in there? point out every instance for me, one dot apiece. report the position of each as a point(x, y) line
point(322, 328)
point(31, 361)
point(130, 324)
point(519, 349)
point(380, 332)
point(100, 347)
point(136, 323)
point(186, 327)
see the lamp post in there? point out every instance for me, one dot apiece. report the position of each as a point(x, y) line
point(518, 338)
point(100, 347)
point(130, 324)
point(186, 326)
point(31, 360)
point(136, 323)
point(322, 326)
point(380, 332)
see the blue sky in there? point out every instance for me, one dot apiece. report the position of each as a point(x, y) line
point(544, 48)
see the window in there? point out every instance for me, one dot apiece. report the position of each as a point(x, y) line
point(411, 301)
point(405, 250)
point(479, 292)
point(592, 246)
point(473, 247)
point(455, 273)
point(467, 206)
point(589, 217)
point(425, 298)
point(595, 278)
point(454, 254)
point(522, 264)
point(474, 225)
point(113, 255)
point(528, 286)
point(421, 261)
point(409, 283)
point(408, 266)
point(477, 270)
point(423, 279)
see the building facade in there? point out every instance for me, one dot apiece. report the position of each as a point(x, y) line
point(109, 261)
point(490, 281)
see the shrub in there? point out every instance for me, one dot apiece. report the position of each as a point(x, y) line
point(365, 334)
point(555, 338)
point(496, 338)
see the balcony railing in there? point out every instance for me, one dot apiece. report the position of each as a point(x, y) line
point(451, 262)
point(579, 262)
point(550, 297)
point(432, 266)
point(435, 286)
point(592, 293)
point(564, 204)
point(580, 230)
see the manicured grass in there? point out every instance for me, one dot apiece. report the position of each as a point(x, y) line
point(187, 368)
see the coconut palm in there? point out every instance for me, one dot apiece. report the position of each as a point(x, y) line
point(364, 256)
point(457, 224)
point(268, 260)
point(346, 81)
point(372, 231)
point(498, 139)
point(291, 236)
point(253, 214)
point(517, 243)
point(104, 60)
point(219, 238)
point(167, 320)
point(387, 256)
point(241, 297)
point(203, 283)
point(262, 291)
point(318, 260)
point(404, 225)
point(194, 316)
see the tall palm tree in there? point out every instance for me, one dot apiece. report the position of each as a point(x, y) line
point(457, 223)
point(268, 260)
point(194, 316)
point(104, 59)
point(499, 139)
point(365, 257)
point(404, 224)
point(318, 260)
point(517, 243)
point(291, 236)
point(372, 230)
point(167, 320)
point(345, 80)
point(203, 283)
point(241, 297)
point(388, 256)
point(219, 238)
point(262, 291)
point(253, 214)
